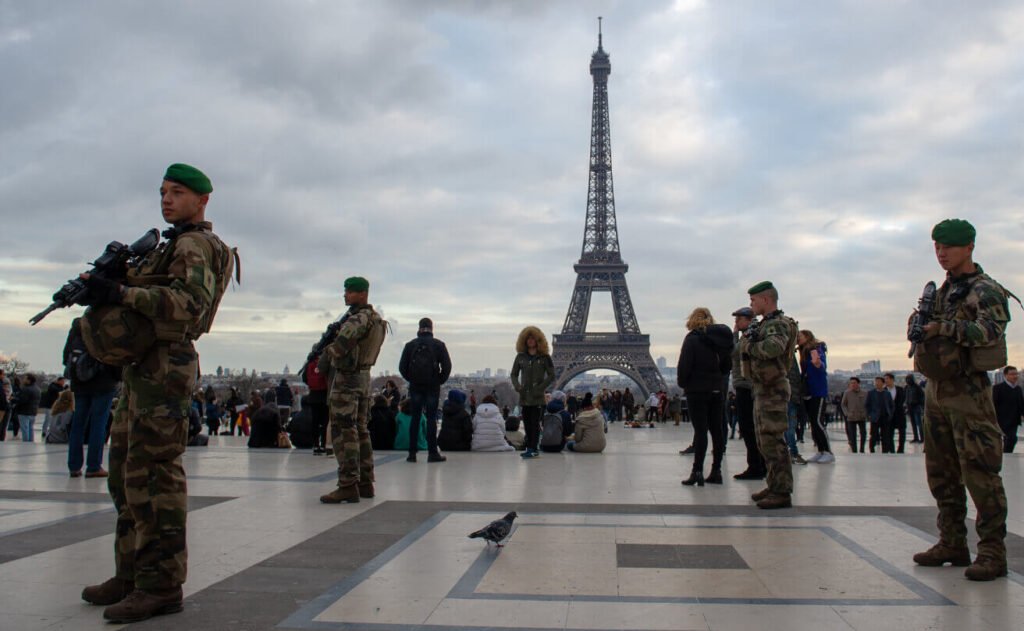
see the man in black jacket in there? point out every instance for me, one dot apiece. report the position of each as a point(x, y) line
point(426, 365)
point(898, 422)
point(1009, 402)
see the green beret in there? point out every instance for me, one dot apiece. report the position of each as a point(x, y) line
point(357, 283)
point(764, 285)
point(189, 176)
point(953, 232)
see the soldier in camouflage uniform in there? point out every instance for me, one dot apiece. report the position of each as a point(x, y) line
point(766, 351)
point(348, 360)
point(177, 287)
point(961, 434)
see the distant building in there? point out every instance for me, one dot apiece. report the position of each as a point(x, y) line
point(662, 364)
point(873, 367)
point(502, 373)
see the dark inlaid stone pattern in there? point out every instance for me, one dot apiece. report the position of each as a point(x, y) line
point(679, 557)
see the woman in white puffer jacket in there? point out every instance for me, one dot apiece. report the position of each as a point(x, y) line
point(489, 428)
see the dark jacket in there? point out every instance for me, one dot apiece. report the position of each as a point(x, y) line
point(914, 394)
point(705, 359)
point(284, 396)
point(49, 397)
point(28, 400)
point(266, 426)
point(456, 428)
point(442, 361)
point(879, 405)
point(899, 409)
point(382, 427)
point(1009, 402)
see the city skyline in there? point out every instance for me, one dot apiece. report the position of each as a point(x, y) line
point(440, 150)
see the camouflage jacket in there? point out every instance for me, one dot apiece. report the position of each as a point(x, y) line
point(179, 284)
point(972, 309)
point(357, 345)
point(972, 313)
point(769, 351)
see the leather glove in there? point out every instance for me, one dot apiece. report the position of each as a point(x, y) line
point(103, 291)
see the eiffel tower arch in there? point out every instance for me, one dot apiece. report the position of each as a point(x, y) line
point(601, 268)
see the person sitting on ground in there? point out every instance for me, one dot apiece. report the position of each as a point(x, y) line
point(456, 424)
point(60, 418)
point(382, 424)
point(402, 421)
point(266, 423)
point(549, 441)
point(300, 426)
point(589, 435)
point(489, 428)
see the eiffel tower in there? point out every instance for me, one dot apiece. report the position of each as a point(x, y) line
point(601, 268)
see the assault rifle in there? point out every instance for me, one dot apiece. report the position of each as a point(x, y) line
point(112, 265)
point(325, 340)
point(923, 315)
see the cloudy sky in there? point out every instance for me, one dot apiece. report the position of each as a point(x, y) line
point(440, 149)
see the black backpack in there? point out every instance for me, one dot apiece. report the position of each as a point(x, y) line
point(423, 365)
point(81, 367)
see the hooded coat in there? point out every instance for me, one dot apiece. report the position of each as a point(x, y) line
point(589, 433)
point(489, 429)
point(705, 359)
point(532, 374)
point(456, 425)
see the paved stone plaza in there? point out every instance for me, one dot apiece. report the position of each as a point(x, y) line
point(609, 541)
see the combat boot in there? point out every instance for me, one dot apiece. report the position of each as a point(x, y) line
point(142, 604)
point(942, 553)
point(760, 495)
point(775, 501)
point(366, 490)
point(986, 568)
point(109, 592)
point(341, 495)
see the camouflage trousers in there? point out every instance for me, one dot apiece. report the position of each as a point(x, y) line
point(350, 436)
point(963, 448)
point(771, 423)
point(147, 480)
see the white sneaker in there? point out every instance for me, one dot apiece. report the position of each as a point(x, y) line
point(816, 457)
point(826, 458)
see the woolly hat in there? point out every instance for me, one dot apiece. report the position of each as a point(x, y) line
point(457, 396)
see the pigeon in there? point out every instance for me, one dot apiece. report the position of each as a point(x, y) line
point(497, 530)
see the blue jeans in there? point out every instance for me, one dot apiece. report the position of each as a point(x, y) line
point(27, 422)
point(794, 416)
point(92, 410)
point(915, 421)
point(423, 400)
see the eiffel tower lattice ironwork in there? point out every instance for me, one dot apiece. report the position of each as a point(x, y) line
point(601, 268)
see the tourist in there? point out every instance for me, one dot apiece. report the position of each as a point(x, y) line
point(1009, 404)
point(532, 373)
point(456, 423)
point(853, 406)
point(557, 424)
point(914, 395)
point(382, 424)
point(704, 359)
point(814, 368)
point(426, 365)
point(489, 428)
point(28, 407)
point(47, 399)
point(402, 433)
point(879, 408)
point(266, 423)
point(899, 416)
point(589, 434)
